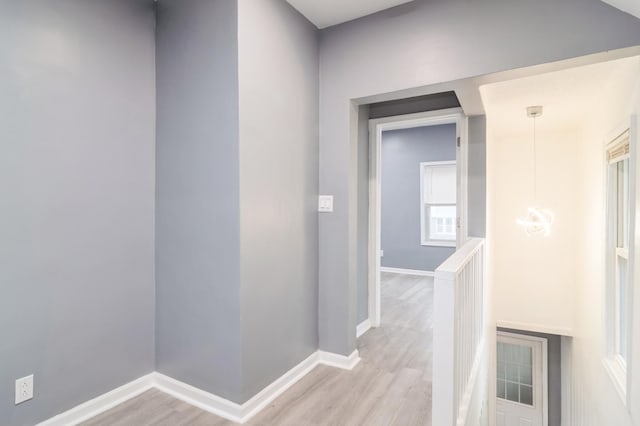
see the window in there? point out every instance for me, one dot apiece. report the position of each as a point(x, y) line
point(515, 373)
point(438, 203)
point(618, 265)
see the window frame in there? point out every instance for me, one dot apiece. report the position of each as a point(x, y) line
point(617, 366)
point(425, 239)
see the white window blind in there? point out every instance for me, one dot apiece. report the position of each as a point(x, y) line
point(619, 148)
point(438, 203)
point(441, 184)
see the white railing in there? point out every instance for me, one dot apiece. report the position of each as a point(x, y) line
point(458, 336)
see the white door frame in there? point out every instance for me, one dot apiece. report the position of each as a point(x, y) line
point(376, 127)
point(545, 368)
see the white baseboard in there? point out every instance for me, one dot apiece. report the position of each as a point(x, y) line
point(239, 413)
point(199, 398)
point(363, 327)
point(278, 387)
point(408, 271)
point(102, 403)
point(339, 361)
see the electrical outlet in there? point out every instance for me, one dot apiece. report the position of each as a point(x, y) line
point(325, 203)
point(24, 389)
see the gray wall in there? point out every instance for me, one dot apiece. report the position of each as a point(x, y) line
point(477, 176)
point(77, 109)
point(426, 42)
point(432, 102)
point(402, 152)
point(279, 189)
point(363, 213)
point(198, 336)
point(554, 370)
point(237, 186)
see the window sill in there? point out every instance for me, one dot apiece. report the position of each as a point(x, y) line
point(617, 371)
point(438, 243)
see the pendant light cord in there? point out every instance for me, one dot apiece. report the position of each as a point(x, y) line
point(535, 164)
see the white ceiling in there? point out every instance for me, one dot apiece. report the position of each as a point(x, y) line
point(325, 13)
point(630, 6)
point(569, 97)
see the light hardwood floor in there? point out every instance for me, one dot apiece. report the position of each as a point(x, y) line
point(390, 386)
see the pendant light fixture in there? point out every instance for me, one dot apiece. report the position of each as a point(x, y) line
point(538, 220)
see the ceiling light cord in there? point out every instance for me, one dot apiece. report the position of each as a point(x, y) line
point(538, 220)
point(535, 165)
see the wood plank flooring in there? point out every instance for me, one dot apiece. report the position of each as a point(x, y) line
point(390, 386)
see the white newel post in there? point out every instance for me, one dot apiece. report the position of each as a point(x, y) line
point(444, 380)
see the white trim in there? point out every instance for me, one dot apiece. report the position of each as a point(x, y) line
point(438, 243)
point(439, 163)
point(239, 413)
point(375, 152)
point(230, 410)
point(339, 361)
point(566, 386)
point(617, 372)
point(102, 403)
point(537, 328)
point(376, 126)
point(408, 271)
point(363, 327)
point(419, 119)
point(199, 398)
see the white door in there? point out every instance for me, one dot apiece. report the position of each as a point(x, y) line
point(521, 383)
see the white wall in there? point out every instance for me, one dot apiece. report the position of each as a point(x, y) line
point(531, 280)
point(557, 282)
point(595, 399)
point(534, 276)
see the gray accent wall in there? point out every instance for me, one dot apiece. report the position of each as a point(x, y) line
point(237, 187)
point(278, 68)
point(363, 213)
point(426, 42)
point(198, 336)
point(77, 112)
point(432, 102)
point(249, 280)
point(477, 176)
point(402, 152)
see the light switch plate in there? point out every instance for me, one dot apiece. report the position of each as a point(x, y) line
point(325, 203)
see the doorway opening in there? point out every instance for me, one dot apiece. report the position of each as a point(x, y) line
point(417, 204)
point(522, 378)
